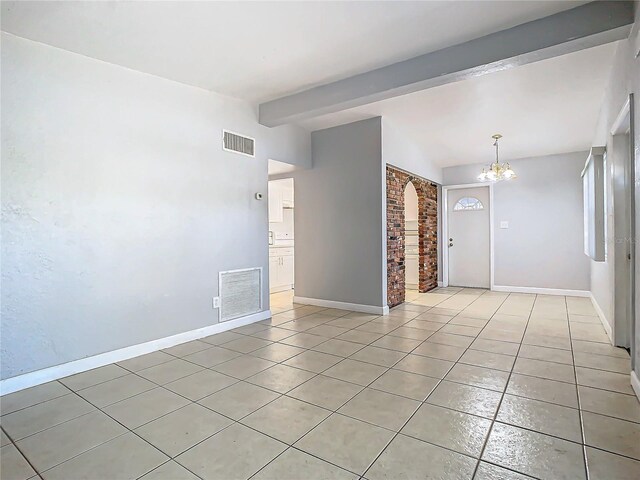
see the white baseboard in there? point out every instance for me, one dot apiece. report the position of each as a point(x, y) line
point(49, 374)
point(541, 291)
point(603, 318)
point(440, 283)
point(355, 307)
point(635, 384)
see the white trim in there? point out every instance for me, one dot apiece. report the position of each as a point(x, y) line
point(635, 383)
point(355, 307)
point(440, 283)
point(624, 112)
point(445, 232)
point(38, 377)
point(603, 318)
point(541, 291)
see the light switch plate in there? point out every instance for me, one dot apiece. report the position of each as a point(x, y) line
point(504, 224)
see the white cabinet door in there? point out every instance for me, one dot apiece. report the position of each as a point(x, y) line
point(274, 272)
point(287, 270)
point(275, 203)
point(287, 195)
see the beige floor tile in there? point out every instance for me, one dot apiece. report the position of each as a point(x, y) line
point(610, 403)
point(328, 331)
point(380, 408)
point(221, 338)
point(534, 454)
point(412, 333)
point(551, 391)
point(235, 453)
point(239, 400)
point(304, 340)
point(286, 419)
point(495, 346)
point(246, 344)
point(599, 349)
point(273, 334)
point(14, 465)
point(347, 322)
point(346, 442)
point(359, 336)
point(145, 361)
point(115, 390)
point(378, 356)
point(543, 417)
point(126, 456)
point(616, 382)
point(32, 396)
point(4, 439)
point(439, 351)
point(549, 370)
point(432, 367)
point(556, 355)
point(211, 356)
point(187, 348)
point(170, 470)
point(461, 330)
point(397, 343)
point(469, 321)
point(62, 442)
point(499, 334)
point(447, 428)
point(277, 352)
point(466, 398)
point(603, 362)
point(44, 415)
point(356, 372)
point(313, 361)
point(424, 325)
point(251, 328)
point(407, 384)
point(450, 339)
point(377, 327)
point(547, 341)
point(497, 361)
point(338, 347)
point(136, 411)
point(607, 466)
point(294, 465)
point(243, 367)
point(325, 392)
point(93, 377)
point(408, 458)
point(478, 377)
point(281, 378)
point(170, 371)
point(487, 471)
point(612, 434)
point(200, 384)
point(589, 332)
point(179, 430)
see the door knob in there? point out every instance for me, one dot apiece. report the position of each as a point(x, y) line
point(451, 244)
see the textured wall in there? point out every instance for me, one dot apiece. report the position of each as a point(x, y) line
point(427, 192)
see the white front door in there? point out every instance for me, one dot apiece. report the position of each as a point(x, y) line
point(468, 237)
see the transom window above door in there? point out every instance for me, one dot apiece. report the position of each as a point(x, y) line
point(468, 203)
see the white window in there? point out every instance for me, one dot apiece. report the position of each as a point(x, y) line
point(468, 203)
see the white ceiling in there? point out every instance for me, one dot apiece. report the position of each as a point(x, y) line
point(542, 108)
point(262, 50)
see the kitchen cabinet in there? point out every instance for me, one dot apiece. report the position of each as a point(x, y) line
point(281, 269)
point(276, 206)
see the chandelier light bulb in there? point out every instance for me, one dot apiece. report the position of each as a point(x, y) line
point(497, 171)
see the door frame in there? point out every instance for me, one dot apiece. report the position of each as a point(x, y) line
point(445, 229)
point(623, 329)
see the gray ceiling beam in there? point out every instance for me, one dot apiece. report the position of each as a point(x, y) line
point(586, 26)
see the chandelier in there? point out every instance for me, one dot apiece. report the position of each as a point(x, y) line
point(497, 171)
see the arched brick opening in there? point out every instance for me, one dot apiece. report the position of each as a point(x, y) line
point(427, 192)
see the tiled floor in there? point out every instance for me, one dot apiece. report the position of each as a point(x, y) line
point(457, 384)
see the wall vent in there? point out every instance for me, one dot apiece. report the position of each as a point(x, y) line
point(240, 293)
point(234, 142)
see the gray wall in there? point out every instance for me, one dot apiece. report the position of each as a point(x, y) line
point(625, 79)
point(119, 207)
point(339, 234)
point(543, 246)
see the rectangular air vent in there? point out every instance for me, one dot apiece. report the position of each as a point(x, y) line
point(240, 293)
point(233, 142)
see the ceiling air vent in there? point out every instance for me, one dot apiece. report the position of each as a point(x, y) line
point(233, 142)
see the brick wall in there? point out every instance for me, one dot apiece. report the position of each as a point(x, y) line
point(427, 234)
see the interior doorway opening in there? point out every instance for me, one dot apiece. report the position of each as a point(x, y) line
point(281, 241)
point(412, 247)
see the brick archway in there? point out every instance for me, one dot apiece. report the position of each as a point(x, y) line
point(427, 192)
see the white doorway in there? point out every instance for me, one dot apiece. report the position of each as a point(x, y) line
point(281, 236)
point(620, 251)
point(467, 236)
point(411, 245)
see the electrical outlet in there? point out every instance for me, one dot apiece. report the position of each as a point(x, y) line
point(216, 302)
